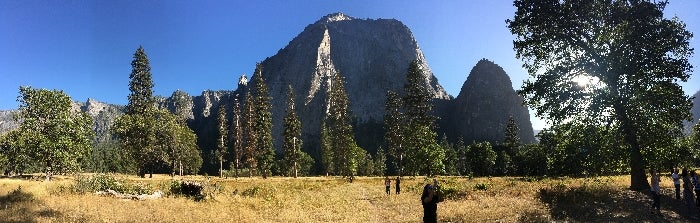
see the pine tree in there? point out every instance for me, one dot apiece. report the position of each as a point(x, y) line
point(327, 154)
point(394, 127)
point(341, 135)
point(237, 130)
point(292, 135)
point(223, 138)
point(512, 140)
point(263, 123)
point(423, 153)
point(249, 134)
point(141, 99)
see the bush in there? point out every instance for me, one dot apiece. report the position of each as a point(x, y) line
point(103, 182)
point(481, 186)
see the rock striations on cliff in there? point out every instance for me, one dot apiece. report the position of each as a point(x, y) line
point(371, 54)
point(486, 102)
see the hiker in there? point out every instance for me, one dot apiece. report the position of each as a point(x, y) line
point(429, 199)
point(398, 185)
point(655, 189)
point(688, 197)
point(676, 183)
point(696, 186)
point(387, 183)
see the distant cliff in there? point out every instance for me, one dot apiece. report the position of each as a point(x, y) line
point(486, 102)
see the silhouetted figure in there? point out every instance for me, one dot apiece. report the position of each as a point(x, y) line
point(696, 185)
point(398, 185)
point(688, 194)
point(655, 189)
point(387, 183)
point(430, 198)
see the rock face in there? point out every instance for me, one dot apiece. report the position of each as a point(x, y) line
point(486, 102)
point(695, 112)
point(372, 56)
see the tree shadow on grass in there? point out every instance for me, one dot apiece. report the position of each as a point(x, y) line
point(604, 204)
point(21, 206)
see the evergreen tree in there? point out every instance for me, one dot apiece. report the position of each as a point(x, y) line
point(292, 135)
point(237, 130)
point(141, 100)
point(394, 127)
point(451, 159)
point(342, 139)
point(423, 153)
point(249, 134)
point(462, 150)
point(481, 159)
point(327, 154)
point(512, 140)
point(223, 139)
point(262, 123)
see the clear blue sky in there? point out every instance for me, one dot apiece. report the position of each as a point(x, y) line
point(85, 47)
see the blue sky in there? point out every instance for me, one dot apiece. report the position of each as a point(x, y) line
point(85, 47)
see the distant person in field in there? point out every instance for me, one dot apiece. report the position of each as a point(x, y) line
point(655, 189)
point(387, 183)
point(688, 197)
point(398, 185)
point(429, 199)
point(696, 185)
point(676, 183)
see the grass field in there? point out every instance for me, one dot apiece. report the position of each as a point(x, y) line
point(333, 199)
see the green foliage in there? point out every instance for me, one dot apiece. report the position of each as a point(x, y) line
point(50, 134)
point(106, 156)
point(451, 159)
point(103, 182)
point(393, 126)
point(419, 141)
point(327, 153)
point(222, 146)
point(262, 123)
point(154, 137)
point(481, 159)
point(292, 135)
point(631, 58)
point(346, 153)
point(140, 85)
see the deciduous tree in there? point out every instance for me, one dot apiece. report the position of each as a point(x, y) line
point(614, 63)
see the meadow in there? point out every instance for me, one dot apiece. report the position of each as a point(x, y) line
point(334, 199)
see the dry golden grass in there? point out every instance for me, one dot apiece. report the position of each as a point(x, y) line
point(332, 199)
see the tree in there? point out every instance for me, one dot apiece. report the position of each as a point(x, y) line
point(154, 137)
point(262, 123)
point(481, 159)
point(51, 133)
point(326, 150)
point(342, 140)
point(249, 134)
point(394, 126)
point(423, 153)
point(140, 85)
point(14, 154)
point(237, 130)
point(223, 139)
point(292, 135)
point(613, 63)
point(451, 159)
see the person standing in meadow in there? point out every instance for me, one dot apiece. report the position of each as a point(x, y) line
point(696, 186)
point(688, 197)
point(676, 183)
point(387, 183)
point(429, 199)
point(655, 189)
point(398, 185)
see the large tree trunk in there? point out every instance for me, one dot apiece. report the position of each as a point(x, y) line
point(638, 177)
point(221, 167)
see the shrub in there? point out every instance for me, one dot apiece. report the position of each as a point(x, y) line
point(103, 182)
point(481, 186)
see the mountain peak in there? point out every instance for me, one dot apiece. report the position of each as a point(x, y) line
point(334, 17)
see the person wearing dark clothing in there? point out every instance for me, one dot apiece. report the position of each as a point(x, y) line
point(688, 194)
point(430, 198)
point(696, 186)
point(398, 185)
point(655, 189)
